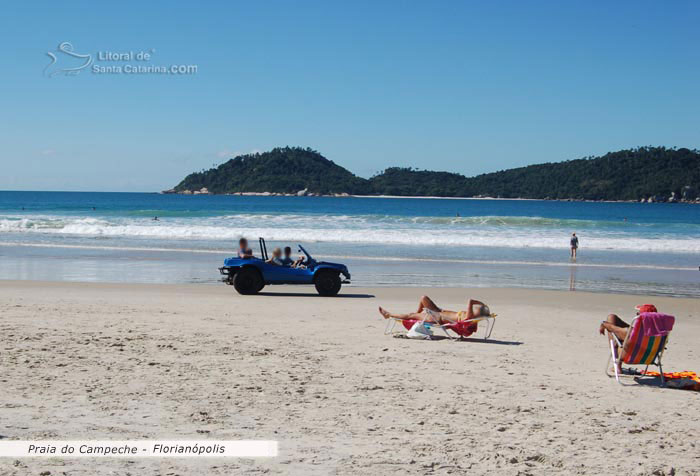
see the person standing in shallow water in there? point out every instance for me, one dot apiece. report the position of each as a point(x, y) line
point(574, 245)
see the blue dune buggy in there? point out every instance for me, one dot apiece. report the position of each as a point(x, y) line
point(250, 275)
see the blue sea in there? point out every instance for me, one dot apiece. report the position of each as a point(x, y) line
point(112, 237)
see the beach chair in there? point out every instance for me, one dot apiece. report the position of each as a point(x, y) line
point(644, 344)
point(462, 328)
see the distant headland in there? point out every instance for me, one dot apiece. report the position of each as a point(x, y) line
point(646, 174)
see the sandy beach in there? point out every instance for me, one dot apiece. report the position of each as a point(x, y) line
point(115, 361)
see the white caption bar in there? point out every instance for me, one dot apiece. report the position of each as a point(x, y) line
point(139, 449)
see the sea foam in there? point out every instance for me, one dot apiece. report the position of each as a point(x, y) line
point(504, 232)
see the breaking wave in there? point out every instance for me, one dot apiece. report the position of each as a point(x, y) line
point(485, 231)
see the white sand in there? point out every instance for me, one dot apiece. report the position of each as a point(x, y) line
point(107, 361)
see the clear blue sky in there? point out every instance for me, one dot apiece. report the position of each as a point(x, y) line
point(463, 86)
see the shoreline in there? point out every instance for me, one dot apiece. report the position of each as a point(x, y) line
point(428, 197)
point(560, 264)
point(349, 288)
point(135, 263)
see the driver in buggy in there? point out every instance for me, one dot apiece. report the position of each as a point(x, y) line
point(300, 263)
point(291, 263)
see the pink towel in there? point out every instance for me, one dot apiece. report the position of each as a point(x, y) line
point(656, 323)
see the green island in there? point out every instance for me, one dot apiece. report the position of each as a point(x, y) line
point(649, 174)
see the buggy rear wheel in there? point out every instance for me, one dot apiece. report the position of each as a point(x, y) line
point(248, 281)
point(327, 282)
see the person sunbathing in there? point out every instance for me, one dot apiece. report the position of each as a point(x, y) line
point(428, 311)
point(614, 325)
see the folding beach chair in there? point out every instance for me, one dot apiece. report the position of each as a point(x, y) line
point(644, 344)
point(463, 328)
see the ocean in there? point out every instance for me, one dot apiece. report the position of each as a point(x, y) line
point(112, 237)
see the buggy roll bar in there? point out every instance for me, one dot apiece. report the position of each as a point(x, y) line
point(263, 248)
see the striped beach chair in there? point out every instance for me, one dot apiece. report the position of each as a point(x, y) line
point(644, 344)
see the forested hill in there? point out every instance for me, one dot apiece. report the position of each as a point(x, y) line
point(648, 172)
point(625, 175)
point(281, 170)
